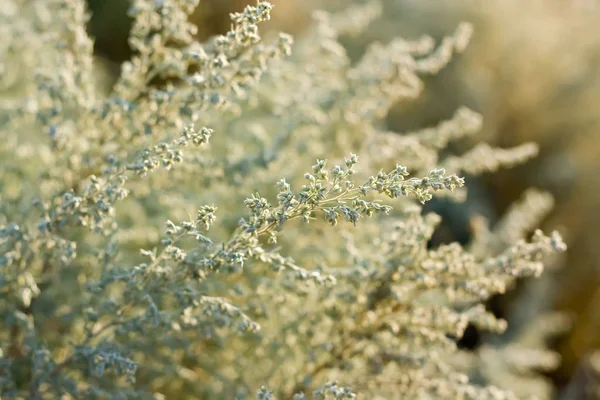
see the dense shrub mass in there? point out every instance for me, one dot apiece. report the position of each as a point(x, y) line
point(168, 238)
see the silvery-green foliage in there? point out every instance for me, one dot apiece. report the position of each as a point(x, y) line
point(171, 239)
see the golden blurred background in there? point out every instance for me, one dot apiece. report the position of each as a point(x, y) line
point(533, 71)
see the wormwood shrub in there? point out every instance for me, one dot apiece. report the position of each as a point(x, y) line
point(312, 282)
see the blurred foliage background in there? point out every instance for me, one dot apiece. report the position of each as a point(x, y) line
point(532, 71)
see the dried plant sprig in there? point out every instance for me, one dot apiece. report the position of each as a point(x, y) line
point(239, 293)
point(484, 158)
